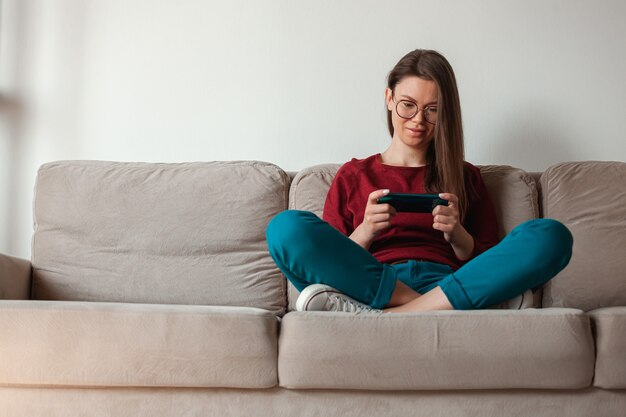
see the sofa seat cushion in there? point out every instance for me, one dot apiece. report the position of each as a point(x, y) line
point(590, 199)
point(609, 326)
point(481, 349)
point(48, 343)
point(186, 233)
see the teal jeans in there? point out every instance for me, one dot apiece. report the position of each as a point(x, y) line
point(310, 251)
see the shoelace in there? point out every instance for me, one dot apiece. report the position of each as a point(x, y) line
point(350, 306)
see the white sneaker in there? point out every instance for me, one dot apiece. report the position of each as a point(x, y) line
point(320, 297)
point(520, 302)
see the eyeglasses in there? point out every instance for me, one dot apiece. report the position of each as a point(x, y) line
point(408, 110)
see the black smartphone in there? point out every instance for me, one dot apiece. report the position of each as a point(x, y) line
point(414, 203)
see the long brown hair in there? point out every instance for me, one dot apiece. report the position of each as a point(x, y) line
point(445, 156)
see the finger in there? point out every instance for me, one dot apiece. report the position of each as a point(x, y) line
point(379, 227)
point(381, 208)
point(452, 198)
point(439, 219)
point(442, 227)
point(380, 217)
point(448, 220)
point(375, 195)
point(445, 210)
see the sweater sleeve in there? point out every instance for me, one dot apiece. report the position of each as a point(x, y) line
point(336, 207)
point(480, 220)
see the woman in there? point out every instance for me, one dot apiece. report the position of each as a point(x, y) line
point(365, 256)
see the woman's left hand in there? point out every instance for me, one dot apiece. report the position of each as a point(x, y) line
point(446, 218)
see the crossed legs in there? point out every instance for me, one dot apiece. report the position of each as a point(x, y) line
point(309, 251)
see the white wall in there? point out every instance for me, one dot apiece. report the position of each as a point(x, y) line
point(295, 83)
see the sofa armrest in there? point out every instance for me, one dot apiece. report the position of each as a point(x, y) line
point(15, 278)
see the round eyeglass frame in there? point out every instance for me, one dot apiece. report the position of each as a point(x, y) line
point(423, 110)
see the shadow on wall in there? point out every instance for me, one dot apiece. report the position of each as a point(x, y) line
point(12, 116)
point(529, 140)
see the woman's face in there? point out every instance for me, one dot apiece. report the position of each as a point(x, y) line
point(415, 132)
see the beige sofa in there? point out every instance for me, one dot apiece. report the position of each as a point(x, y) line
point(151, 293)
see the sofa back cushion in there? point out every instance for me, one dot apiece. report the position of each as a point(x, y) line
point(513, 191)
point(590, 199)
point(188, 233)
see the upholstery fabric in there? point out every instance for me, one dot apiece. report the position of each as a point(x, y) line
point(52, 343)
point(590, 199)
point(189, 233)
point(15, 278)
point(609, 325)
point(514, 195)
point(182, 235)
point(513, 191)
point(480, 349)
point(310, 186)
point(276, 402)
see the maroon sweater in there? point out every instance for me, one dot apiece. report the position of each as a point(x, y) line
point(411, 235)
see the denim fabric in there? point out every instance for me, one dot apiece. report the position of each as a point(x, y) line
point(309, 251)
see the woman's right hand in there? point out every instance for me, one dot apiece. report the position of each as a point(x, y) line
point(377, 217)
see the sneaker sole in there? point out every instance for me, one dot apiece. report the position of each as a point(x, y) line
point(528, 299)
point(309, 292)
